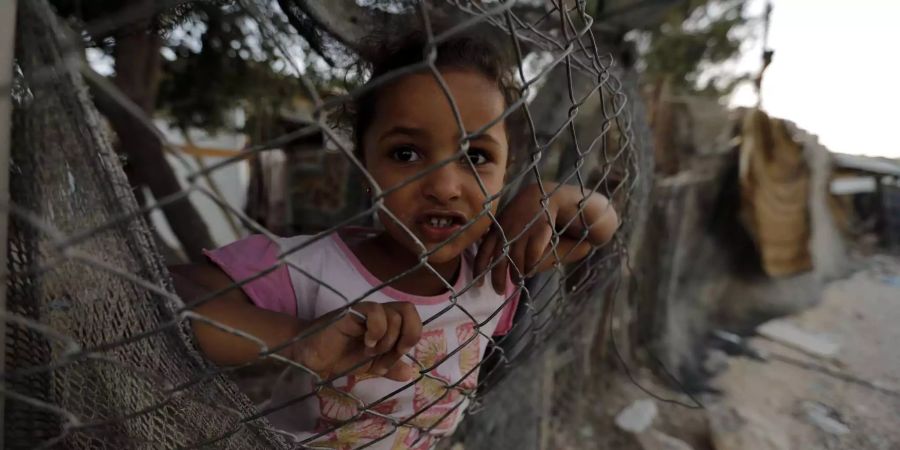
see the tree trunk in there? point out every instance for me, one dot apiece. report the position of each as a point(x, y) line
point(138, 68)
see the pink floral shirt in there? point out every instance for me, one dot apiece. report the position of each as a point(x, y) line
point(324, 276)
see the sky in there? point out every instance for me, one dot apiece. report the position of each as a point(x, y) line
point(835, 72)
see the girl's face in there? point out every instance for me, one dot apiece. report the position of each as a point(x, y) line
point(414, 129)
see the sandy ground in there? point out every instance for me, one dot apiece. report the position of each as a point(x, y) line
point(862, 391)
point(765, 405)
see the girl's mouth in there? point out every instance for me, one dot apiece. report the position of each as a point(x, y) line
point(440, 222)
point(438, 226)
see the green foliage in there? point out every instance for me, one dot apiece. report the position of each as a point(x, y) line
point(697, 41)
point(218, 58)
point(217, 61)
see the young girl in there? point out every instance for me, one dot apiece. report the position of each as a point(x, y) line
point(361, 297)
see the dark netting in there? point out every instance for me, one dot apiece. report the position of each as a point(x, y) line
point(99, 350)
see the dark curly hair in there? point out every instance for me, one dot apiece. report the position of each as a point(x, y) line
point(473, 50)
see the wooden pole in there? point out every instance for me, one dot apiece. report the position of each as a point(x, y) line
point(766, 55)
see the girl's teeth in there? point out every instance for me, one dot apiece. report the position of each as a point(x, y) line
point(440, 222)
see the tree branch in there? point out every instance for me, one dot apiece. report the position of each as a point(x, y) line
point(352, 25)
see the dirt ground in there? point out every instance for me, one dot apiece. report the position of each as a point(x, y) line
point(788, 400)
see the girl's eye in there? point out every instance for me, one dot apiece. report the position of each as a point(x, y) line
point(478, 156)
point(405, 153)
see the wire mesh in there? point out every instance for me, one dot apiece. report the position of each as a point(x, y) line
point(100, 351)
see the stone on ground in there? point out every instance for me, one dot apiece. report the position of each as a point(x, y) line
point(785, 332)
point(638, 416)
point(824, 418)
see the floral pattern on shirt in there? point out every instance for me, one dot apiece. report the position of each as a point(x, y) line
point(409, 439)
point(432, 389)
point(354, 434)
point(469, 355)
point(436, 419)
point(337, 402)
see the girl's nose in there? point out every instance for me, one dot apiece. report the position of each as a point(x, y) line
point(443, 184)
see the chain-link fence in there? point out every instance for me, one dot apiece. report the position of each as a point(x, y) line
point(100, 351)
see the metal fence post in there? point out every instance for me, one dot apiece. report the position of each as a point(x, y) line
point(7, 49)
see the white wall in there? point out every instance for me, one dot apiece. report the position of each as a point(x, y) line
point(231, 180)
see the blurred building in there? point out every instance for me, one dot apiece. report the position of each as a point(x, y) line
point(867, 197)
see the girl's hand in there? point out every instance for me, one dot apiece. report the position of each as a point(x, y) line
point(388, 332)
point(584, 221)
point(525, 215)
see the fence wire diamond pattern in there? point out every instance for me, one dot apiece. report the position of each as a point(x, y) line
point(99, 348)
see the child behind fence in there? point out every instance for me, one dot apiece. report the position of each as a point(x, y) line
point(400, 340)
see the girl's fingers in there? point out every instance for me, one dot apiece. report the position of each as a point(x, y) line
point(484, 257)
point(376, 323)
point(386, 343)
point(348, 324)
point(498, 274)
point(517, 257)
point(537, 246)
point(409, 330)
point(350, 362)
point(335, 335)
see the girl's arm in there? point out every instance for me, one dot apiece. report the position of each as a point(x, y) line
point(234, 309)
point(533, 250)
point(334, 345)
